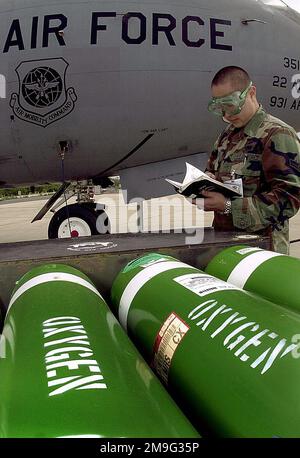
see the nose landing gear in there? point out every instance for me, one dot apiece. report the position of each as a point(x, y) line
point(82, 219)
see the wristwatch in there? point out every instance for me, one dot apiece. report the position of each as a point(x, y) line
point(227, 208)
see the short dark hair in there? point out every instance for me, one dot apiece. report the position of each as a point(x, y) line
point(237, 76)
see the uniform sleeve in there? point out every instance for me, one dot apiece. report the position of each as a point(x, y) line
point(279, 197)
point(211, 163)
point(213, 159)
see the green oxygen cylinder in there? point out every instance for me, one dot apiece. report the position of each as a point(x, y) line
point(67, 368)
point(226, 356)
point(266, 273)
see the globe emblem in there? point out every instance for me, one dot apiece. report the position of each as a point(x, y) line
point(42, 87)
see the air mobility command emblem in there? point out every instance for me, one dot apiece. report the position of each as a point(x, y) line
point(43, 97)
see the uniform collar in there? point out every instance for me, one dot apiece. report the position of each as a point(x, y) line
point(255, 122)
point(253, 125)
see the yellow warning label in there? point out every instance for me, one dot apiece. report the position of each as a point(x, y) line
point(169, 337)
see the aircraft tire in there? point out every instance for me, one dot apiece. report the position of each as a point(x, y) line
point(83, 222)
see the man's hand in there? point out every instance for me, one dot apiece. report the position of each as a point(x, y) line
point(212, 201)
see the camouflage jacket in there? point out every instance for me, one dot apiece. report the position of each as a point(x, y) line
point(266, 155)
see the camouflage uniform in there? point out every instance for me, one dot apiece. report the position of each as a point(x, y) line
point(266, 155)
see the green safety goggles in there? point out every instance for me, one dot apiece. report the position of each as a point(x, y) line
point(232, 104)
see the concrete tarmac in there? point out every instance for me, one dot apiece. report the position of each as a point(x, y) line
point(165, 213)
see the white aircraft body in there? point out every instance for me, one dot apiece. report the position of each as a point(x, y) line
point(102, 88)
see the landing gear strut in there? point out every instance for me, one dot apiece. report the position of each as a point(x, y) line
point(82, 219)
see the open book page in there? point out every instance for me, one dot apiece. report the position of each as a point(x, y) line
point(176, 184)
point(192, 174)
point(196, 181)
